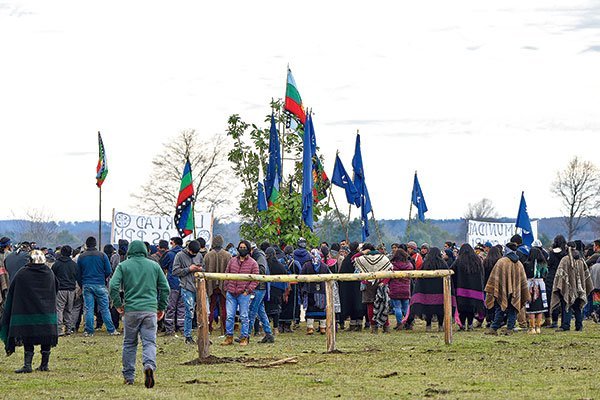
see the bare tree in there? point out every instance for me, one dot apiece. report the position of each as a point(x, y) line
point(483, 210)
point(211, 174)
point(38, 226)
point(577, 186)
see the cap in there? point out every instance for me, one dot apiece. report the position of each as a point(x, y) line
point(302, 242)
point(412, 245)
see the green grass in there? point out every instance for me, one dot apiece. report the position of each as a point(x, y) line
point(550, 365)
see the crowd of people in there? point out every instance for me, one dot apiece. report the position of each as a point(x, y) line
point(47, 293)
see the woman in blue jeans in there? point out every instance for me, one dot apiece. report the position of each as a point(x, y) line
point(238, 293)
point(400, 288)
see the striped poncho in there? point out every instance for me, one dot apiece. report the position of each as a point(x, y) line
point(30, 309)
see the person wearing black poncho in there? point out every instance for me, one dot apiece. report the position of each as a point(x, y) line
point(290, 308)
point(428, 294)
point(468, 282)
point(30, 312)
point(350, 295)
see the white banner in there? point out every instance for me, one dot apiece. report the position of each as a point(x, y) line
point(152, 228)
point(494, 232)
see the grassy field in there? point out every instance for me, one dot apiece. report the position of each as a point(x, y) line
point(398, 365)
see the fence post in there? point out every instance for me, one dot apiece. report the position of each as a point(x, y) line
point(202, 316)
point(330, 317)
point(447, 310)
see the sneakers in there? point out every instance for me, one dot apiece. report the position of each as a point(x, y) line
point(149, 378)
point(189, 340)
point(127, 382)
point(491, 331)
point(114, 333)
point(87, 334)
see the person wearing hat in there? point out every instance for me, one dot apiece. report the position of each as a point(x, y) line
point(415, 256)
point(5, 249)
point(94, 270)
point(424, 250)
point(186, 263)
point(161, 250)
point(30, 316)
point(216, 260)
point(301, 254)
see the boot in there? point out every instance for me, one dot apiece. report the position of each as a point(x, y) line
point(547, 322)
point(244, 341)
point(28, 357)
point(268, 339)
point(45, 359)
point(310, 331)
point(228, 341)
point(322, 331)
point(358, 328)
point(386, 329)
point(399, 327)
point(374, 329)
point(287, 327)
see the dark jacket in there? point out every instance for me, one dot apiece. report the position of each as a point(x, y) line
point(66, 271)
point(166, 263)
point(94, 267)
point(14, 262)
point(263, 267)
point(302, 256)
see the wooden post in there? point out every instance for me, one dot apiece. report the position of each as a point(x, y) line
point(447, 309)
point(330, 319)
point(202, 316)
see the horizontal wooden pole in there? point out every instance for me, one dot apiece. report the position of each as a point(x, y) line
point(440, 273)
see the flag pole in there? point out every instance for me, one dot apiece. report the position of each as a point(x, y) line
point(376, 226)
point(409, 217)
point(344, 226)
point(100, 218)
point(282, 122)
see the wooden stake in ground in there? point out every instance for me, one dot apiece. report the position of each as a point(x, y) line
point(202, 316)
point(330, 317)
point(447, 310)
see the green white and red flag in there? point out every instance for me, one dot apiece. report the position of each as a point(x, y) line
point(293, 101)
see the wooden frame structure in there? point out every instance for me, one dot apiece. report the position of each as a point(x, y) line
point(202, 313)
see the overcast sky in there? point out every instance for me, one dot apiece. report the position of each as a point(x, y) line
point(484, 99)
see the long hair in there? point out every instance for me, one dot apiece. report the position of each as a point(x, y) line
point(467, 260)
point(433, 260)
point(536, 254)
point(400, 255)
point(492, 258)
point(559, 242)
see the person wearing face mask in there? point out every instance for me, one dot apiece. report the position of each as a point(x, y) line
point(186, 263)
point(237, 293)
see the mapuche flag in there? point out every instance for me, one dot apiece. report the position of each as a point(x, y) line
point(102, 167)
point(184, 212)
point(293, 101)
point(418, 199)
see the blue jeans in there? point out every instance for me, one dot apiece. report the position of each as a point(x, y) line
point(142, 323)
point(511, 317)
point(400, 308)
point(257, 308)
point(99, 293)
point(567, 314)
point(232, 302)
point(189, 300)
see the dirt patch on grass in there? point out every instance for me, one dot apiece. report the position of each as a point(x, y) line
point(211, 360)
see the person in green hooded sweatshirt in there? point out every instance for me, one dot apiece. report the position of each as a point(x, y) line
point(146, 293)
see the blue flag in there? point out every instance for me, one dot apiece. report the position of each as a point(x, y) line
point(418, 200)
point(341, 178)
point(307, 175)
point(524, 222)
point(361, 188)
point(262, 198)
point(274, 165)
